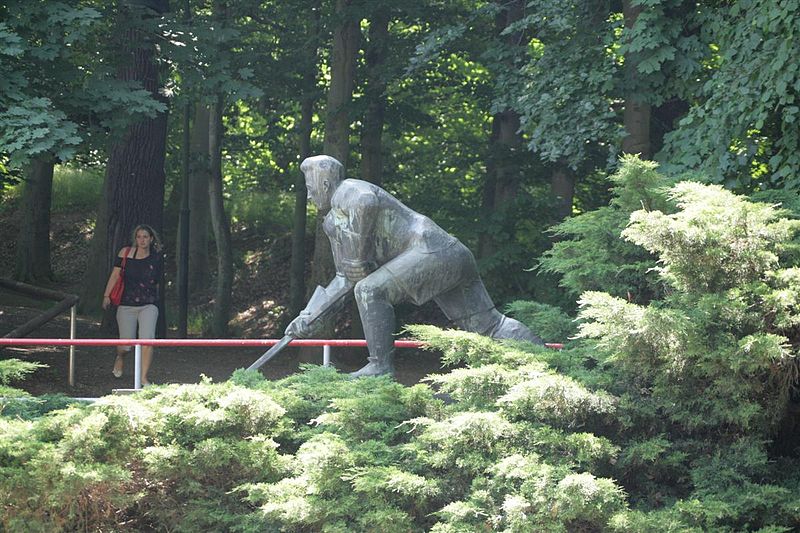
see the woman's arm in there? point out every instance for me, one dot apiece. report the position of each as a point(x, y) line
point(112, 280)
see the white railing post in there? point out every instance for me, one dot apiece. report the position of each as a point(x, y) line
point(326, 355)
point(137, 367)
point(71, 377)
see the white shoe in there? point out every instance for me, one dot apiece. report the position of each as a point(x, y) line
point(117, 371)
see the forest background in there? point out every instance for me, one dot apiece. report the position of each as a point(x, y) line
point(496, 119)
point(673, 410)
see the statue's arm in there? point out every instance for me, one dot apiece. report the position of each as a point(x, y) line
point(324, 304)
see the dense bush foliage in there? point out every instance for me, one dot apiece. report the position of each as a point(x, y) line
point(672, 409)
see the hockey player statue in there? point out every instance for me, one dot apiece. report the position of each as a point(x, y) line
point(386, 254)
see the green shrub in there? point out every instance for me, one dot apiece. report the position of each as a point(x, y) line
point(589, 254)
point(549, 322)
point(674, 410)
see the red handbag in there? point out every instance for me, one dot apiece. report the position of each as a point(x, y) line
point(116, 291)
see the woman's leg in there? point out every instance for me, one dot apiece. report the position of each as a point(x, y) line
point(147, 357)
point(126, 321)
point(148, 316)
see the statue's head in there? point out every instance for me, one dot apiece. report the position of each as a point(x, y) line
point(323, 175)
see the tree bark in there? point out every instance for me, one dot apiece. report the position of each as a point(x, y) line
point(503, 173)
point(133, 189)
point(220, 224)
point(199, 204)
point(346, 39)
point(33, 241)
point(297, 269)
point(182, 242)
point(562, 185)
point(375, 96)
point(297, 273)
point(636, 116)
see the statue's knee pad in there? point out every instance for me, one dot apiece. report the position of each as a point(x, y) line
point(378, 286)
point(368, 290)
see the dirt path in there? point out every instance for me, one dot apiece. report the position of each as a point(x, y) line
point(93, 365)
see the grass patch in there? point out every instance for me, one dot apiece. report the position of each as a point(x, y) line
point(73, 188)
point(198, 320)
point(262, 210)
point(76, 188)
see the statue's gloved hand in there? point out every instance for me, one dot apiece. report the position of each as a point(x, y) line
point(356, 270)
point(300, 327)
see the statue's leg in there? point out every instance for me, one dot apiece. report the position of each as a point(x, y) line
point(471, 308)
point(375, 296)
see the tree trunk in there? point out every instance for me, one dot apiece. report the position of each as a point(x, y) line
point(33, 241)
point(199, 204)
point(503, 171)
point(375, 96)
point(297, 273)
point(346, 40)
point(562, 185)
point(337, 122)
point(297, 269)
point(637, 111)
point(133, 189)
point(182, 242)
point(219, 222)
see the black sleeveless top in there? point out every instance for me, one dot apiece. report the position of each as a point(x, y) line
point(142, 277)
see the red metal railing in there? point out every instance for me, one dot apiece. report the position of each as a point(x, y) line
point(138, 343)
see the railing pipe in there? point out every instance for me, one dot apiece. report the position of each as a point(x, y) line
point(353, 343)
point(326, 355)
point(72, 320)
point(137, 367)
point(137, 380)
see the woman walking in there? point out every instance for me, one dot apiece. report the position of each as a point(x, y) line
point(140, 265)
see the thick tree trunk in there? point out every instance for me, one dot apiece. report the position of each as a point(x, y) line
point(33, 241)
point(133, 191)
point(375, 95)
point(503, 173)
point(199, 204)
point(221, 226)
point(502, 179)
point(562, 185)
point(346, 39)
point(637, 112)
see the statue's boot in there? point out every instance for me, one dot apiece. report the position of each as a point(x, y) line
point(509, 328)
point(378, 319)
point(377, 366)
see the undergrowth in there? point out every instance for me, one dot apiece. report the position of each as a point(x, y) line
point(670, 410)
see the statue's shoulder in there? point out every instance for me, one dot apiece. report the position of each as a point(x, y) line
point(353, 193)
